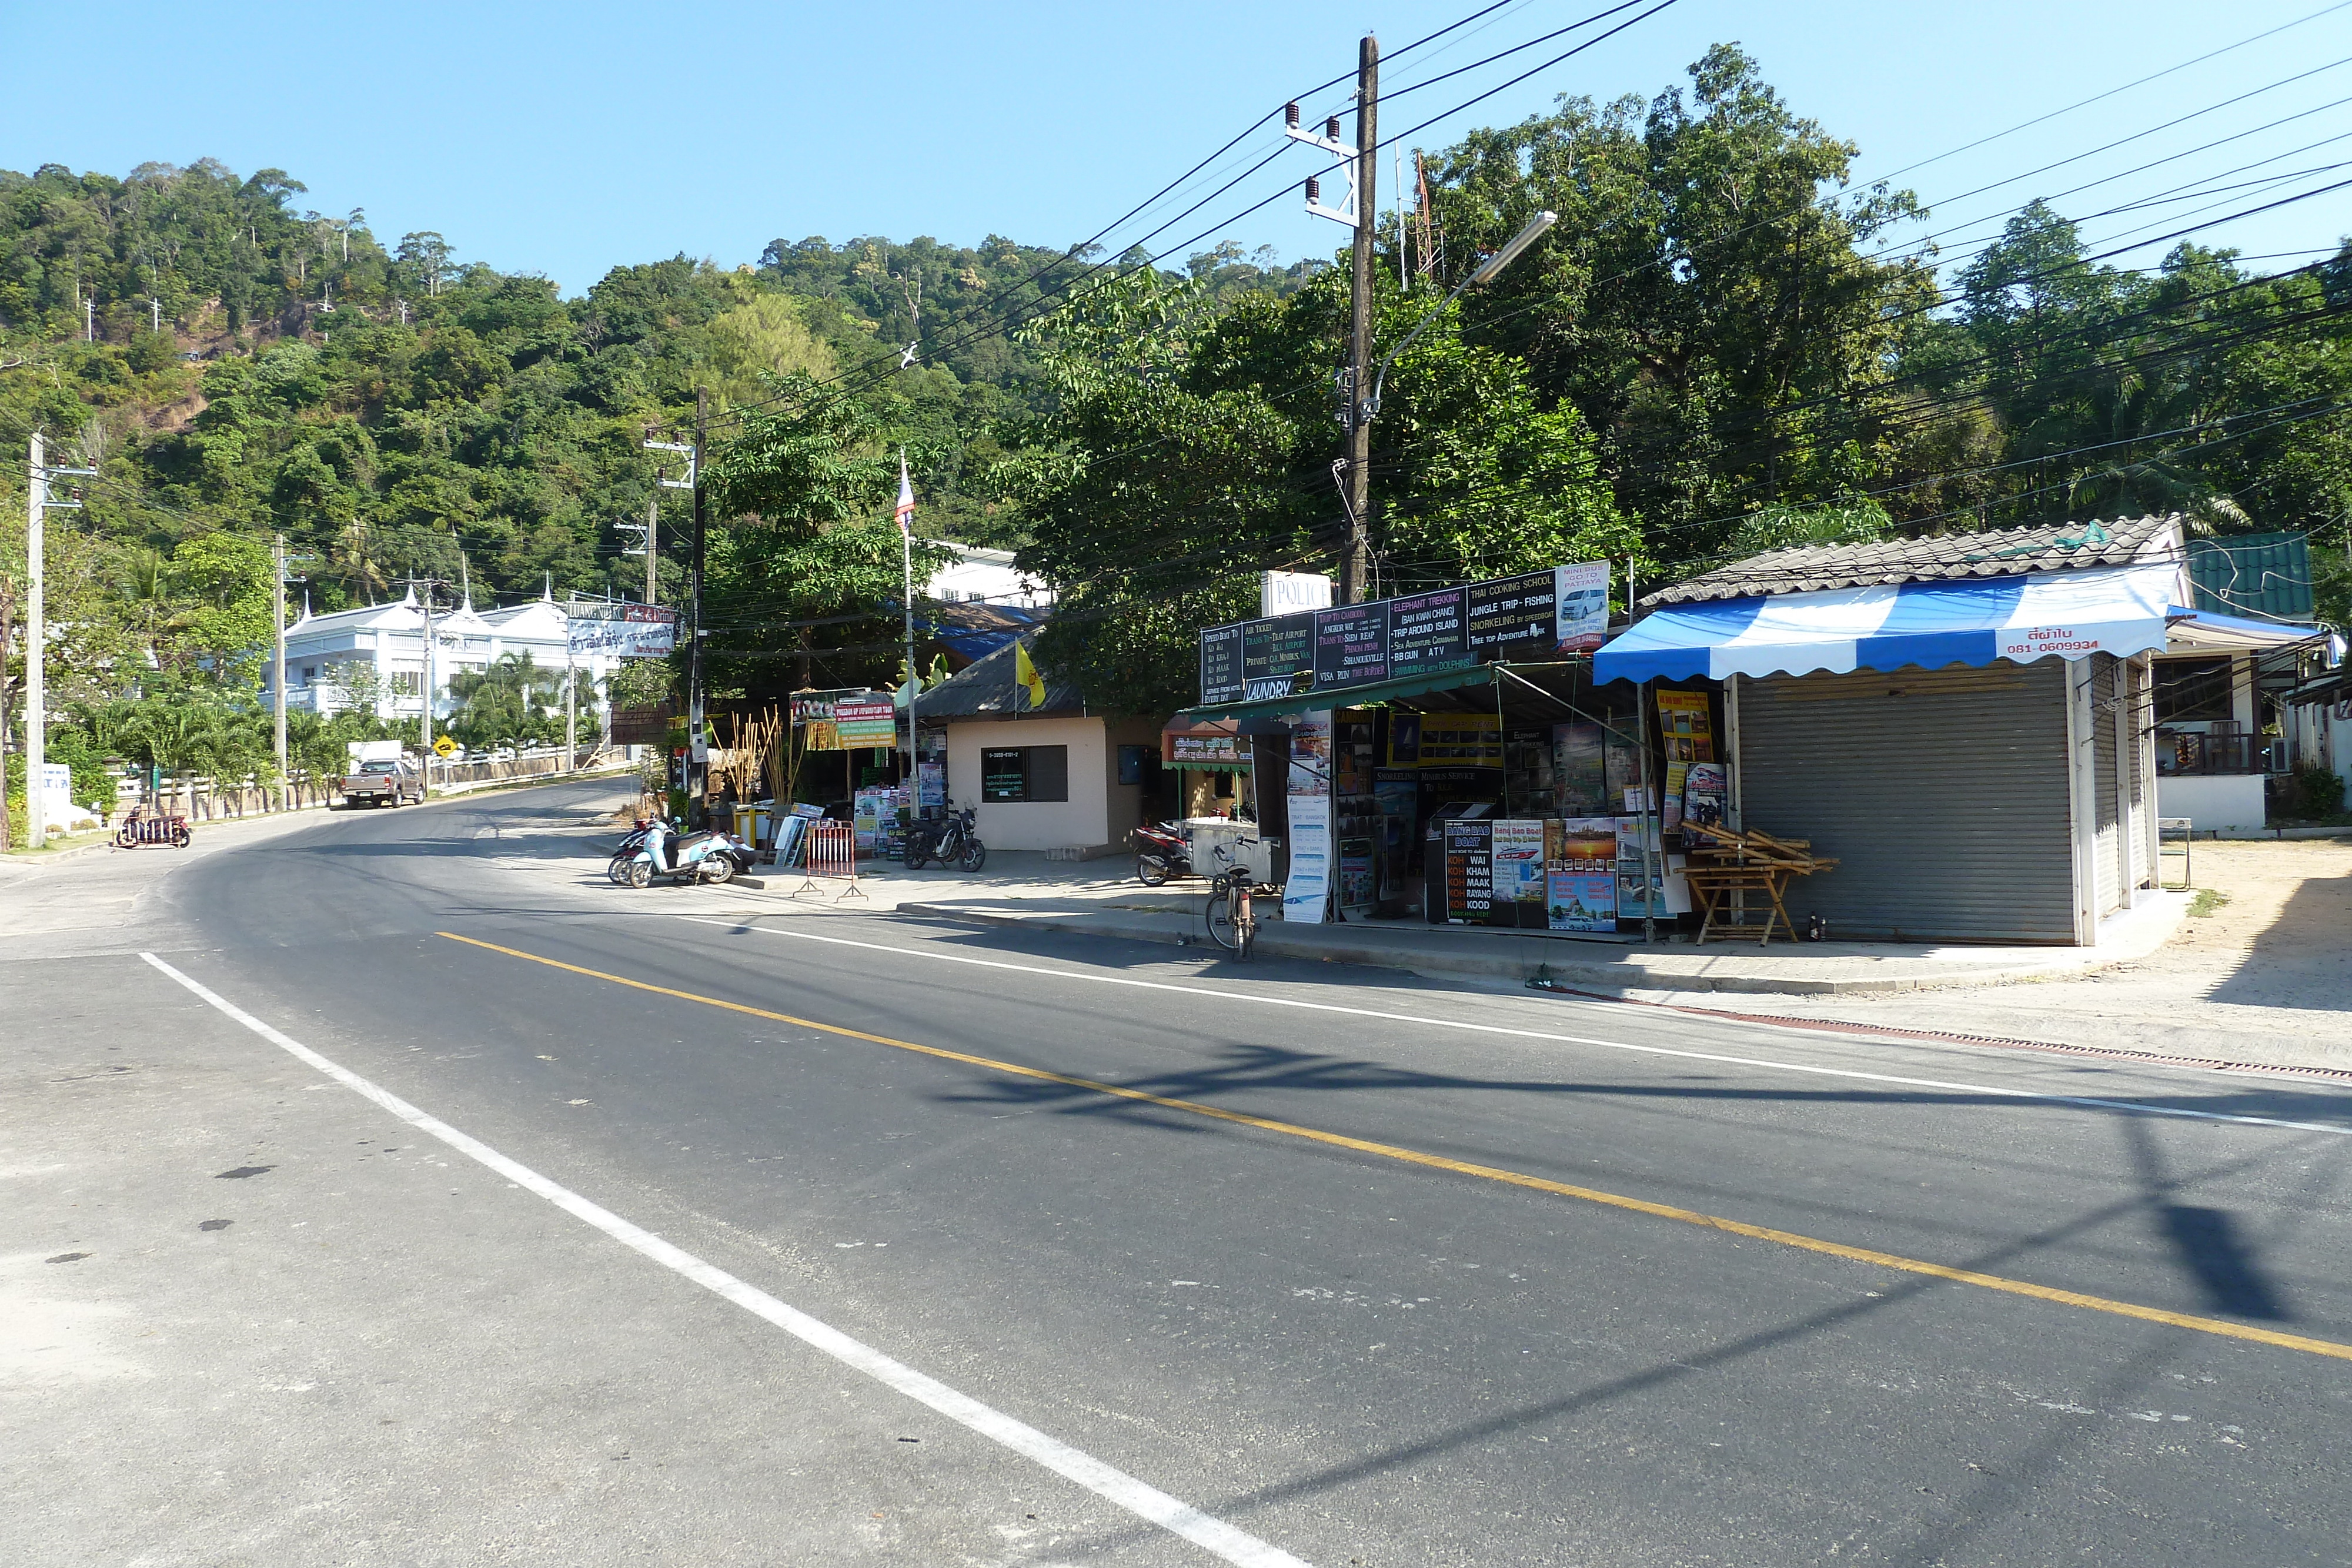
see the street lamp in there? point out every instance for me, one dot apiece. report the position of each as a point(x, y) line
point(1484, 272)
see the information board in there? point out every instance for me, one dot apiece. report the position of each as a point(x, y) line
point(1469, 872)
point(1513, 614)
point(1426, 633)
point(1277, 655)
point(1221, 662)
point(1351, 646)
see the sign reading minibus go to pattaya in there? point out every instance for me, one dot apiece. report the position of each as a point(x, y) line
point(1542, 614)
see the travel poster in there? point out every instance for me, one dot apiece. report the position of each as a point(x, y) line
point(1707, 790)
point(1580, 768)
point(1310, 754)
point(1676, 773)
point(1518, 876)
point(1309, 885)
point(1580, 873)
point(1580, 607)
point(1469, 872)
point(1686, 727)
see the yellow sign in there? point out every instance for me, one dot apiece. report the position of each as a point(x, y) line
point(444, 746)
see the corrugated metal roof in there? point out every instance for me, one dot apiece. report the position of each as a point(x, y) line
point(2265, 575)
point(2000, 552)
point(986, 690)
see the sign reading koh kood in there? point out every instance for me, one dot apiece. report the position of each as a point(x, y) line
point(1535, 615)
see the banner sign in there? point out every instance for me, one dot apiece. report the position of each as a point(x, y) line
point(1535, 615)
point(1426, 633)
point(1351, 646)
point(846, 723)
point(1207, 751)
point(623, 631)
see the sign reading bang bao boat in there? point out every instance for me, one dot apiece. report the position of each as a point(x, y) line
point(625, 630)
point(1351, 646)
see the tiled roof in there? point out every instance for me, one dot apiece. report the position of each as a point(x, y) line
point(985, 690)
point(2000, 552)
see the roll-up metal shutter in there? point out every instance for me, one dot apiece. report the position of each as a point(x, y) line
point(2106, 696)
point(1943, 795)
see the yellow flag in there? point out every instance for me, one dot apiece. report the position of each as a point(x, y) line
point(1025, 676)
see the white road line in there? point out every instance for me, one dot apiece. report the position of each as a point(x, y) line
point(2134, 1106)
point(1144, 1502)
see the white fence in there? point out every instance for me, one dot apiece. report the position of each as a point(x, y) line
point(203, 799)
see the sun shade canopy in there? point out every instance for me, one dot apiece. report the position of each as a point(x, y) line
point(2120, 610)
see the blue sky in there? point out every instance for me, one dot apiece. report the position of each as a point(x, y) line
point(569, 139)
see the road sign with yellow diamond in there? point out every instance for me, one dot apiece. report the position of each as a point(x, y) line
point(444, 746)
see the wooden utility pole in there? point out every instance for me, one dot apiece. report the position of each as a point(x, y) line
point(1355, 562)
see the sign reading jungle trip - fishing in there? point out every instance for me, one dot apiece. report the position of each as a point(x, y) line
point(1535, 615)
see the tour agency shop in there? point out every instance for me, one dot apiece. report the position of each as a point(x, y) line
point(1942, 739)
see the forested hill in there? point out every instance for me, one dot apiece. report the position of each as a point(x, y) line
point(395, 408)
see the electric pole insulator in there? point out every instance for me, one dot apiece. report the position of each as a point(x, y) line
point(1332, 128)
point(1290, 115)
point(1314, 189)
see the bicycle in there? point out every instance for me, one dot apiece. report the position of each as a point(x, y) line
point(1232, 923)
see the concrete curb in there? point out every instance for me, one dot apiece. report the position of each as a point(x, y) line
point(1438, 963)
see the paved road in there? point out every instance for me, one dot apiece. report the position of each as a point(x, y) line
point(809, 1237)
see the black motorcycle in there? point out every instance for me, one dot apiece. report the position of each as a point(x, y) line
point(951, 839)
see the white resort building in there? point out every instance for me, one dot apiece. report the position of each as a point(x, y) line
point(333, 661)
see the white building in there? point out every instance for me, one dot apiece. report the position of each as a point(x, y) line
point(389, 639)
point(985, 577)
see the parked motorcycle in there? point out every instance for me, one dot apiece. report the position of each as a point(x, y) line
point(1162, 853)
point(616, 870)
point(951, 840)
point(708, 857)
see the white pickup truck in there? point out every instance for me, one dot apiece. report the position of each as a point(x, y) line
point(383, 781)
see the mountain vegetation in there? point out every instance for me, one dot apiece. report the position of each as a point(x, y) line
point(1723, 345)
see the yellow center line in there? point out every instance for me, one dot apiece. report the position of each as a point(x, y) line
point(1491, 1173)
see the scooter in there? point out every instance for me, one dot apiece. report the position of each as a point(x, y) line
point(1162, 853)
point(699, 858)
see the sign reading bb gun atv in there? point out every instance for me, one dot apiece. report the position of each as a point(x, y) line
point(625, 630)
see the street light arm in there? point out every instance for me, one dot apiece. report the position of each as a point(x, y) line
point(1484, 272)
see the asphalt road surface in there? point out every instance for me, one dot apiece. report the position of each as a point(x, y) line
point(394, 1190)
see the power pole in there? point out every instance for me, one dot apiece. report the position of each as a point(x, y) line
point(1359, 165)
point(277, 678)
point(653, 527)
point(697, 753)
point(424, 732)
point(37, 475)
point(1354, 566)
point(37, 490)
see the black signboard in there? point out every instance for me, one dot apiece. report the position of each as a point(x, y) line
point(1425, 633)
point(1276, 654)
point(1351, 646)
point(1512, 611)
point(1221, 663)
point(1469, 872)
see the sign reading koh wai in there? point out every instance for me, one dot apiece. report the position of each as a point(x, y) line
point(1535, 615)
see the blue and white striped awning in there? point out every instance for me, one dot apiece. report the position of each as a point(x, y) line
point(2117, 610)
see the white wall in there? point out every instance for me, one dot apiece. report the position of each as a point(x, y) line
point(2213, 800)
point(1083, 822)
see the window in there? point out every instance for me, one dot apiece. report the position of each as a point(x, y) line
point(1025, 774)
point(2192, 690)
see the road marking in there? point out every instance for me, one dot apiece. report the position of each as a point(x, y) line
point(2137, 1107)
point(1144, 1502)
point(1486, 1173)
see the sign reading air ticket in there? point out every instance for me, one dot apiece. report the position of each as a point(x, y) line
point(1426, 633)
point(1351, 646)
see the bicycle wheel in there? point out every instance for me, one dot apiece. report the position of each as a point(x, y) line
point(1245, 935)
point(1219, 917)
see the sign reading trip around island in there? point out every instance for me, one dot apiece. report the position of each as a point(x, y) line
point(1535, 615)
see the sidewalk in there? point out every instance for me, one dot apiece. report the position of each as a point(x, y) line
point(1102, 898)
